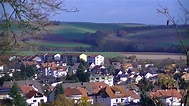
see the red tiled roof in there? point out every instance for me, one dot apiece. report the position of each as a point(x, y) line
point(115, 91)
point(60, 68)
point(97, 86)
point(26, 89)
point(127, 65)
point(31, 94)
point(166, 93)
point(51, 64)
point(75, 91)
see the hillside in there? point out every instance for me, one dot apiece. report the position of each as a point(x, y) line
point(111, 37)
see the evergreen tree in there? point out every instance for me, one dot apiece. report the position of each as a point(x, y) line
point(17, 99)
point(27, 71)
point(59, 90)
point(81, 74)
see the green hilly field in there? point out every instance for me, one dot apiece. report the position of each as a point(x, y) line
point(98, 36)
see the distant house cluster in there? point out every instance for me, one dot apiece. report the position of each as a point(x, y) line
point(113, 84)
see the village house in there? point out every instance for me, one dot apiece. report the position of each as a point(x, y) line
point(170, 97)
point(4, 92)
point(127, 66)
point(51, 69)
point(57, 57)
point(98, 70)
point(115, 95)
point(71, 58)
point(34, 83)
point(34, 98)
point(108, 79)
point(58, 71)
point(90, 87)
point(2, 66)
point(185, 77)
point(96, 59)
point(31, 63)
point(76, 94)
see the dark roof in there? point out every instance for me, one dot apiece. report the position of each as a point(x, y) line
point(34, 83)
point(90, 87)
point(6, 90)
point(32, 93)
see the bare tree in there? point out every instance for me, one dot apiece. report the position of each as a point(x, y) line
point(171, 19)
point(19, 18)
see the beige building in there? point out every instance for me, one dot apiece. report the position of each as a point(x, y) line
point(83, 57)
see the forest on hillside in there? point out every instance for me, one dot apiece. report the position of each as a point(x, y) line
point(136, 39)
point(112, 37)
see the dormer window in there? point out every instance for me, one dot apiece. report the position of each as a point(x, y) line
point(117, 92)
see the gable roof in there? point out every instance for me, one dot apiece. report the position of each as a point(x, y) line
point(127, 65)
point(26, 89)
point(75, 91)
point(20, 83)
point(112, 92)
point(50, 64)
point(59, 68)
point(32, 93)
point(90, 87)
point(166, 93)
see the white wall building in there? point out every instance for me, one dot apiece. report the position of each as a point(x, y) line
point(102, 78)
point(76, 94)
point(96, 59)
point(34, 98)
point(57, 57)
point(58, 73)
point(112, 96)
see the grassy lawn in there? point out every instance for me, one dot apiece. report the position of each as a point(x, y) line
point(60, 45)
point(77, 30)
point(176, 43)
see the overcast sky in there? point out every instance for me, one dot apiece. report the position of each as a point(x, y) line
point(119, 11)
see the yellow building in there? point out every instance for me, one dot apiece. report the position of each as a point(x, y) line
point(83, 57)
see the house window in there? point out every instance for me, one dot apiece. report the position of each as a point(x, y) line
point(116, 100)
point(34, 100)
point(42, 100)
point(122, 100)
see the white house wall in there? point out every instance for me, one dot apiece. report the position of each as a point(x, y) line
point(38, 100)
